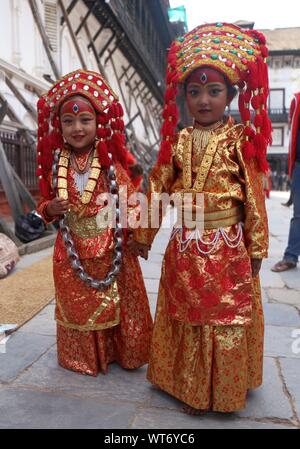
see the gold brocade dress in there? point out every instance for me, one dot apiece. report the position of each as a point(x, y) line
point(95, 328)
point(207, 344)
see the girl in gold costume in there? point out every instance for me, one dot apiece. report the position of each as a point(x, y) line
point(102, 310)
point(207, 345)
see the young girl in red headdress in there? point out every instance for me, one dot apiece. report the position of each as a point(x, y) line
point(102, 310)
point(207, 345)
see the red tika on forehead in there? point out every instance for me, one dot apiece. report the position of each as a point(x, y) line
point(76, 106)
point(240, 55)
point(96, 97)
point(205, 76)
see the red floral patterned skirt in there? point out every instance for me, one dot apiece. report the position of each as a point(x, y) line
point(127, 343)
point(214, 289)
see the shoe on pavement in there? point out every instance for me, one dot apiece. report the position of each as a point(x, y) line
point(283, 265)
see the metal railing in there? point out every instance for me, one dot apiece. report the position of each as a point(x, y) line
point(277, 115)
point(21, 156)
point(139, 34)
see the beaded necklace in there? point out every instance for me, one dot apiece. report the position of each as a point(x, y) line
point(201, 138)
point(59, 178)
point(62, 183)
point(82, 163)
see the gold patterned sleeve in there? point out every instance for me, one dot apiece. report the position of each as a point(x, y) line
point(41, 210)
point(256, 221)
point(160, 181)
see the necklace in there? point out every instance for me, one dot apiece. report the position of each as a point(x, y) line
point(82, 162)
point(62, 182)
point(201, 138)
point(209, 127)
point(61, 161)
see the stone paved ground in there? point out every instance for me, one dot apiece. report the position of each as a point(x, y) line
point(36, 393)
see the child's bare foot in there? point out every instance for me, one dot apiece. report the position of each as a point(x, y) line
point(194, 411)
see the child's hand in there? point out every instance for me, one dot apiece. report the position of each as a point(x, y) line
point(138, 249)
point(57, 206)
point(255, 266)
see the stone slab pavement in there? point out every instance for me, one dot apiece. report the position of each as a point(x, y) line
point(36, 393)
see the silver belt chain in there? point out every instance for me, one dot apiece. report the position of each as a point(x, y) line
point(118, 234)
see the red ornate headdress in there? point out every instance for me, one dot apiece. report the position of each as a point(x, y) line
point(240, 55)
point(109, 112)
